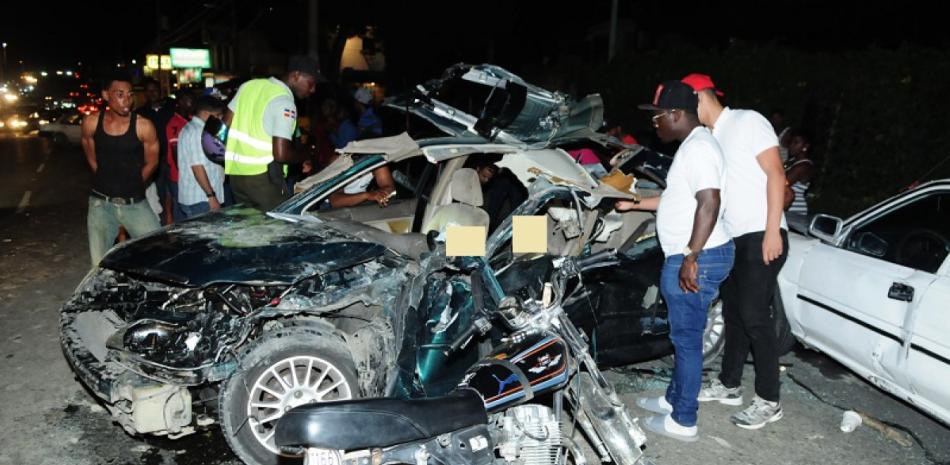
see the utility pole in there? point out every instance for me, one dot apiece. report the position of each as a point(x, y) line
point(612, 44)
point(232, 55)
point(313, 31)
point(158, 25)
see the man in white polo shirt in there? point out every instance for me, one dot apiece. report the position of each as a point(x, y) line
point(753, 217)
point(698, 251)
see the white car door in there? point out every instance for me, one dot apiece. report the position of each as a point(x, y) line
point(928, 357)
point(862, 298)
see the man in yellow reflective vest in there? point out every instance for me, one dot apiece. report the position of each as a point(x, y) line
point(261, 119)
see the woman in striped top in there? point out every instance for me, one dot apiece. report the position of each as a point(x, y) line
point(798, 172)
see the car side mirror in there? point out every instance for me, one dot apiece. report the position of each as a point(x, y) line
point(825, 227)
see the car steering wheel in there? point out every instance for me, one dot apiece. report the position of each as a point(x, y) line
point(923, 249)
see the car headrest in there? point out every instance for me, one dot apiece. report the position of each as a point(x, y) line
point(465, 187)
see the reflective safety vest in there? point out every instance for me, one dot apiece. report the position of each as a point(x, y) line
point(249, 148)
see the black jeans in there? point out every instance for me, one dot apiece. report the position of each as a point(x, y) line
point(746, 298)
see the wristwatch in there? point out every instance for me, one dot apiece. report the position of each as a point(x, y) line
point(687, 251)
point(211, 194)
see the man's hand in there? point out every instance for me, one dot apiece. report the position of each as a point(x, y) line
point(649, 204)
point(626, 205)
point(771, 246)
point(380, 196)
point(688, 274)
point(213, 203)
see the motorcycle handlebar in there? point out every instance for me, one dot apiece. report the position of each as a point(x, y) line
point(462, 338)
point(595, 259)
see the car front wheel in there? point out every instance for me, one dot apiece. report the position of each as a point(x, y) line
point(281, 370)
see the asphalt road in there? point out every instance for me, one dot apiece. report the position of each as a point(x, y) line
point(48, 418)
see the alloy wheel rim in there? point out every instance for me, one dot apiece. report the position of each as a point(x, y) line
point(715, 325)
point(289, 383)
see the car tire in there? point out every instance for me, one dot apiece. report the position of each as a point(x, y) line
point(714, 333)
point(275, 364)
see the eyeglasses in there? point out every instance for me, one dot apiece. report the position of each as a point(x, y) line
point(656, 118)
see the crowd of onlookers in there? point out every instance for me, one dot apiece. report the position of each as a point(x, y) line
point(337, 121)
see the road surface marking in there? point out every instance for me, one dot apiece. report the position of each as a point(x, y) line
point(39, 169)
point(24, 202)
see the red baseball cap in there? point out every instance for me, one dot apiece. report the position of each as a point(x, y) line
point(701, 82)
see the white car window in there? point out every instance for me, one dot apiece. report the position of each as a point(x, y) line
point(916, 235)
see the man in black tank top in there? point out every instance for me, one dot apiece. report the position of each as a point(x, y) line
point(122, 151)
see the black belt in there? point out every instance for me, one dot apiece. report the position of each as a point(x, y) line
point(117, 200)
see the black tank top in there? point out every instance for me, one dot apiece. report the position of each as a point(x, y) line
point(120, 160)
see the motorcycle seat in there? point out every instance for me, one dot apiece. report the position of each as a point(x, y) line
point(380, 422)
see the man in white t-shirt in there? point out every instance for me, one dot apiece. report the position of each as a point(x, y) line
point(698, 251)
point(754, 201)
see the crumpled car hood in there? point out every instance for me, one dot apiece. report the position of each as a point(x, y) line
point(510, 111)
point(240, 246)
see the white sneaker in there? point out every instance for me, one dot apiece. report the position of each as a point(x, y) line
point(715, 390)
point(665, 425)
point(655, 405)
point(760, 413)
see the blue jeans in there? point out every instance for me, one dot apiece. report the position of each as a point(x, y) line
point(104, 219)
point(177, 213)
point(687, 314)
point(195, 209)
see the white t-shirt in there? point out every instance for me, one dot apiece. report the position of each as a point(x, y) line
point(359, 184)
point(743, 135)
point(697, 165)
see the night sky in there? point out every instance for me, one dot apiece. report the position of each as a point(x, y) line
point(60, 34)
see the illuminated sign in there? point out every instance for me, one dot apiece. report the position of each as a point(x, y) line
point(151, 61)
point(190, 58)
point(165, 61)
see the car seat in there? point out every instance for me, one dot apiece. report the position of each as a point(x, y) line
point(466, 194)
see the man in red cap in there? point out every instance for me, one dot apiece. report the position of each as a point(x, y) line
point(754, 200)
point(698, 251)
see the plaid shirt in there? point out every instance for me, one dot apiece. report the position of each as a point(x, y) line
point(190, 153)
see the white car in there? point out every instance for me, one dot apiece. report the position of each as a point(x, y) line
point(67, 129)
point(873, 292)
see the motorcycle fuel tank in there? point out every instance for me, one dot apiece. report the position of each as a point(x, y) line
point(517, 371)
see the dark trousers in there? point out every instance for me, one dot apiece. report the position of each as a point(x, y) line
point(257, 191)
point(746, 298)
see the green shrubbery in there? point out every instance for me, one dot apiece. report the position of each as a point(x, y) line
point(879, 116)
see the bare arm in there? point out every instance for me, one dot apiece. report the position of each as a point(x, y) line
point(202, 178)
point(146, 132)
point(801, 172)
point(89, 124)
point(284, 151)
point(228, 117)
point(771, 164)
point(384, 186)
point(789, 197)
point(704, 220)
point(646, 204)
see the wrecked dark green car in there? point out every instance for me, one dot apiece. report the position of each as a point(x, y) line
point(237, 316)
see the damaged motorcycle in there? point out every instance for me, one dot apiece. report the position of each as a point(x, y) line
point(520, 404)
